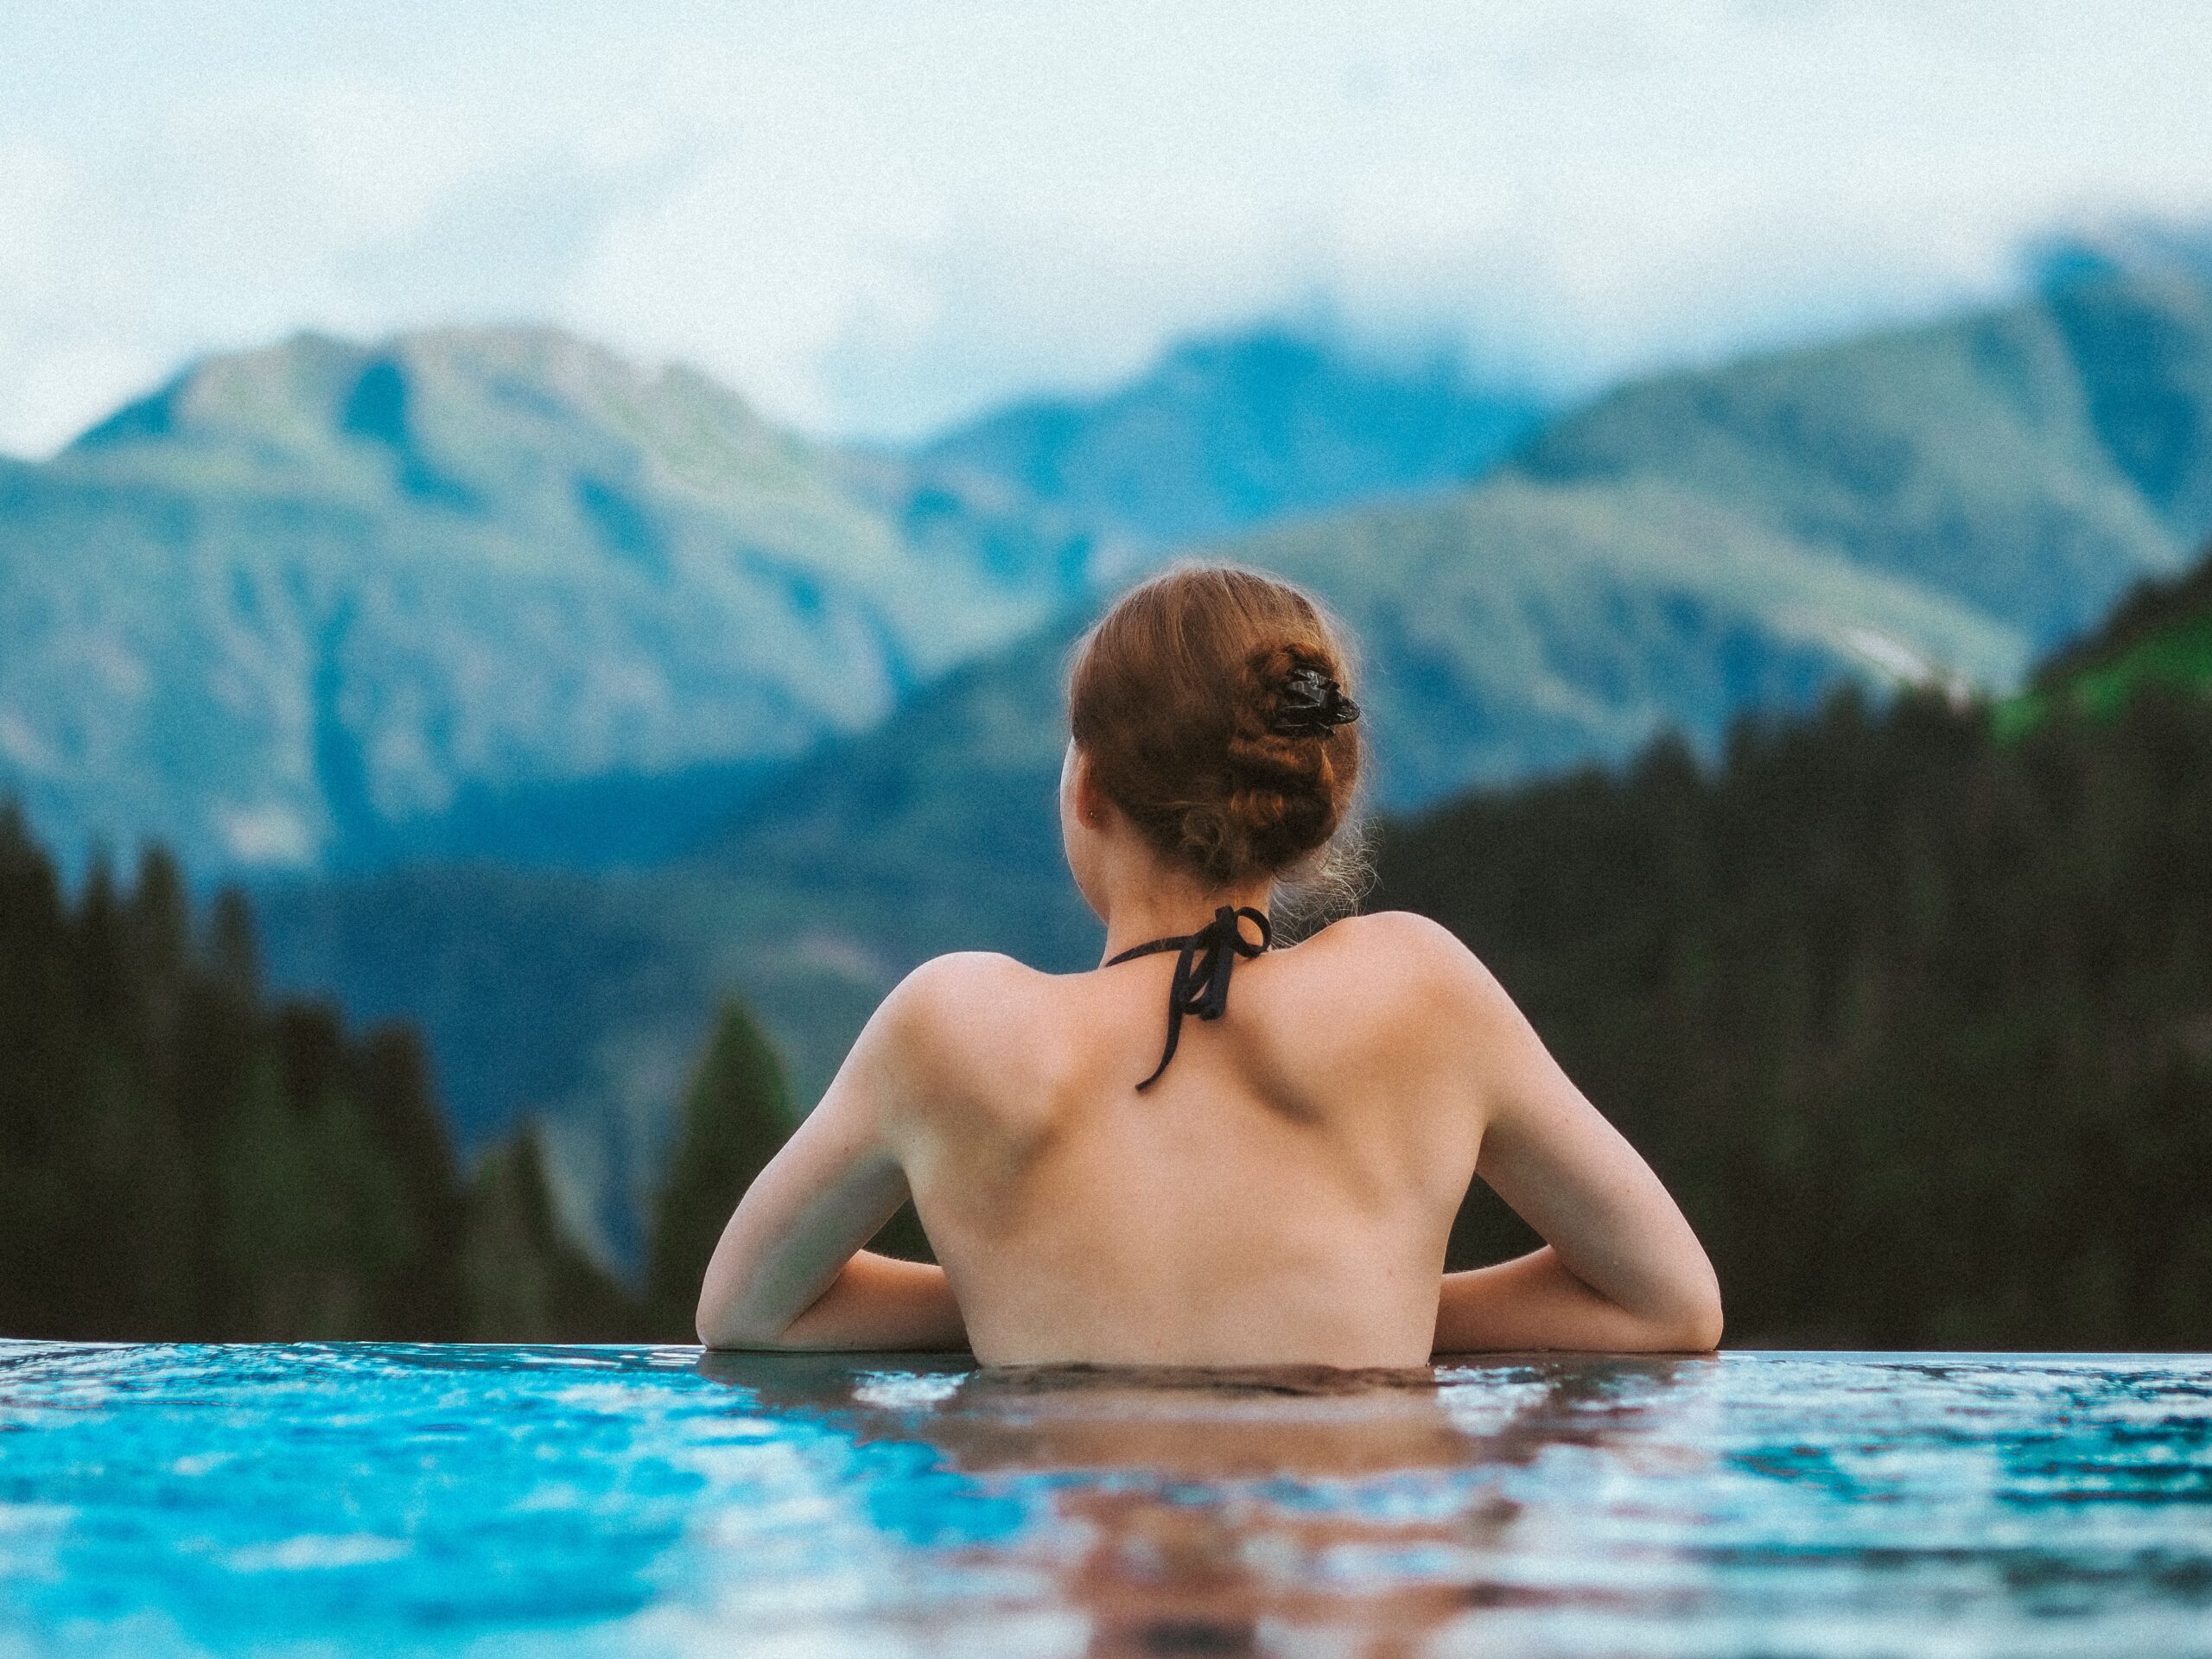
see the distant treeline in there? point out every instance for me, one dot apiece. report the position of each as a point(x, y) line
point(1917, 1023)
point(181, 1158)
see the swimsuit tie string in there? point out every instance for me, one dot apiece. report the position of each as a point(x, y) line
point(1201, 983)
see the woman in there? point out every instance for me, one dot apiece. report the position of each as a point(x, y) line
point(1280, 1188)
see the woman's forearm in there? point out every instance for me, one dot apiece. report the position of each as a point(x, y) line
point(1533, 1301)
point(875, 1301)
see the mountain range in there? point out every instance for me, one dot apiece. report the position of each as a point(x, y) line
point(1928, 505)
point(497, 593)
point(315, 606)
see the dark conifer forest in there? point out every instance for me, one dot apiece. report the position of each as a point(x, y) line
point(1916, 1024)
point(182, 1158)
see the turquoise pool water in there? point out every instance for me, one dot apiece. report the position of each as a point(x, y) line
point(516, 1500)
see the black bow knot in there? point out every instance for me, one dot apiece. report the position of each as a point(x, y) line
point(1201, 983)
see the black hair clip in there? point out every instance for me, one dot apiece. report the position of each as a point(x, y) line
point(1311, 705)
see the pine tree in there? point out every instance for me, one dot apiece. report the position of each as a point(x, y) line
point(180, 1160)
point(523, 1280)
point(736, 1114)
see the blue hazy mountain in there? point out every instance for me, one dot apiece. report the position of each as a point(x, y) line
point(1931, 505)
point(490, 592)
point(1233, 429)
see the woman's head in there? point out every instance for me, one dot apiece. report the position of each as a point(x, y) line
point(1210, 707)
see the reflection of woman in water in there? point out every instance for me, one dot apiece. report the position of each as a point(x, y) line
point(1228, 1511)
point(1272, 1178)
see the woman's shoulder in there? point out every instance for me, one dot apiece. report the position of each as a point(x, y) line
point(1404, 937)
point(960, 970)
point(952, 1007)
point(1405, 929)
point(957, 986)
point(1403, 961)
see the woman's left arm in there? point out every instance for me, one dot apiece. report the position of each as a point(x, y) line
point(1620, 1270)
point(789, 1272)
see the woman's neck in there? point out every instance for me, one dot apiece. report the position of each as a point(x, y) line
point(1167, 910)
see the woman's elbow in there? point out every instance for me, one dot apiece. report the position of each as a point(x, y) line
point(736, 1336)
point(715, 1328)
point(1701, 1332)
point(723, 1322)
point(1695, 1324)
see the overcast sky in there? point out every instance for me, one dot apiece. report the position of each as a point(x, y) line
point(871, 218)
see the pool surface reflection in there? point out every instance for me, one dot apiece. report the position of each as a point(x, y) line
point(518, 1500)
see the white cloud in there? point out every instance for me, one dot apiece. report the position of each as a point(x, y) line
point(873, 216)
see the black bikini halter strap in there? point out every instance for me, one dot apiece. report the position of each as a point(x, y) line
point(1201, 984)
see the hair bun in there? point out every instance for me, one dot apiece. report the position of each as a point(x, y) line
point(1285, 797)
point(1210, 701)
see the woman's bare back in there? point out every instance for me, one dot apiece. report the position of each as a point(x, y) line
point(1281, 1193)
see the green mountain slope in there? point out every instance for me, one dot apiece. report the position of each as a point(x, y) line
point(302, 601)
point(1685, 551)
point(2161, 638)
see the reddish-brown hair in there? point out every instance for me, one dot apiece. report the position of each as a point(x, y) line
point(1173, 699)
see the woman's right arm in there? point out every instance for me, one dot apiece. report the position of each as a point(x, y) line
point(1620, 1270)
point(789, 1272)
